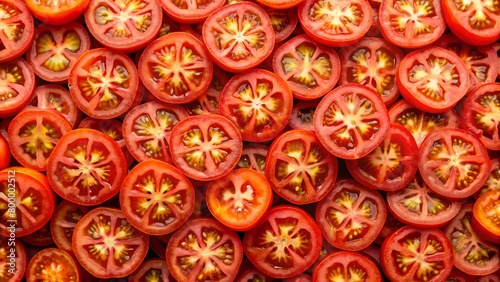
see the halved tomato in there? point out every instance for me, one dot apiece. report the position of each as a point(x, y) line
point(346, 266)
point(18, 84)
point(52, 264)
point(63, 222)
point(486, 216)
point(18, 29)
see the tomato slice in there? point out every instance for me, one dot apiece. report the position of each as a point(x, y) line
point(454, 163)
point(176, 68)
point(391, 165)
point(34, 203)
point(33, 134)
point(63, 222)
point(205, 147)
point(412, 254)
point(351, 121)
point(57, 12)
point(151, 270)
point(204, 249)
point(346, 266)
point(351, 216)
point(309, 68)
point(335, 22)
point(372, 62)
point(280, 5)
point(480, 114)
point(239, 36)
point(475, 22)
point(52, 264)
point(302, 115)
point(433, 79)
point(283, 21)
point(156, 198)
point(184, 11)
point(86, 167)
point(411, 23)
point(18, 84)
point(299, 168)
point(126, 26)
point(40, 238)
point(254, 157)
point(285, 243)
point(147, 129)
point(55, 50)
point(18, 29)
point(486, 216)
point(106, 245)
point(420, 123)
point(5, 154)
point(12, 269)
point(493, 182)
point(417, 205)
point(471, 254)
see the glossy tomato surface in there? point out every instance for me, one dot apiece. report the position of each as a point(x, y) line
point(57, 12)
point(16, 38)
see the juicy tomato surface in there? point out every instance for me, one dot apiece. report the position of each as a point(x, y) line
point(52, 264)
point(17, 81)
point(18, 29)
point(345, 266)
point(20, 261)
point(486, 216)
point(5, 154)
point(57, 12)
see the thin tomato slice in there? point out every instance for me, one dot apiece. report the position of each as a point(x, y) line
point(12, 269)
point(187, 12)
point(346, 266)
point(53, 264)
point(63, 222)
point(18, 84)
point(254, 157)
point(18, 29)
point(493, 181)
point(57, 12)
point(486, 216)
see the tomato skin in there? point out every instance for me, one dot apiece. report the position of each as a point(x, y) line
point(16, 11)
point(485, 215)
point(341, 264)
point(57, 13)
point(25, 78)
point(5, 155)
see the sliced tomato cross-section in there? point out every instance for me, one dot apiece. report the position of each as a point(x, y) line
point(18, 29)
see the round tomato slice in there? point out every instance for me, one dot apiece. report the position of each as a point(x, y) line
point(280, 5)
point(412, 254)
point(254, 157)
point(152, 270)
point(18, 29)
point(471, 254)
point(453, 162)
point(258, 102)
point(184, 11)
point(346, 266)
point(351, 216)
point(86, 167)
point(13, 260)
point(476, 22)
point(204, 249)
point(372, 62)
point(493, 182)
point(239, 199)
point(57, 13)
point(302, 115)
point(147, 129)
point(335, 22)
point(156, 197)
point(26, 204)
point(40, 238)
point(55, 50)
point(106, 245)
point(299, 168)
point(421, 123)
point(480, 114)
point(309, 68)
point(411, 23)
point(205, 147)
point(391, 165)
point(486, 216)
point(433, 79)
point(176, 68)
point(52, 264)
point(417, 205)
point(351, 121)
point(33, 135)
point(63, 222)
point(285, 243)
point(17, 81)
point(126, 26)
point(283, 21)
point(239, 36)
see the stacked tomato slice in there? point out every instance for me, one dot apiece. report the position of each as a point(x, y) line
point(267, 140)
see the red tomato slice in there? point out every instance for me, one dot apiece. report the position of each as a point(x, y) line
point(176, 68)
point(204, 249)
point(351, 216)
point(493, 182)
point(346, 266)
point(239, 36)
point(86, 167)
point(40, 238)
point(55, 50)
point(151, 270)
point(156, 198)
point(33, 134)
point(126, 26)
point(285, 243)
point(106, 245)
point(205, 147)
point(309, 68)
point(52, 264)
point(5, 154)
point(486, 216)
point(18, 82)
point(103, 83)
point(283, 21)
point(18, 263)
point(254, 157)
point(417, 205)
point(184, 11)
point(372, 62)
point(480, 114)
point(63, 222)
point(299, 168)
point(280, 5)
point(18, 29)
point(454, 163)
point(391, 165)
point(412, 254)
point(147, 129)
point(433, 79)
point(302, 115)
point(351, 121)
point(411, 23)
point(335, 22)
point(57, 12)
point(258, 102)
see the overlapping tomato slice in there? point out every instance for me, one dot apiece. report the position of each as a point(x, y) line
point(63, 222)
point(346, 266)
point(17, 81)
point(18, 29)
point(185, 11)
point(53, 264)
